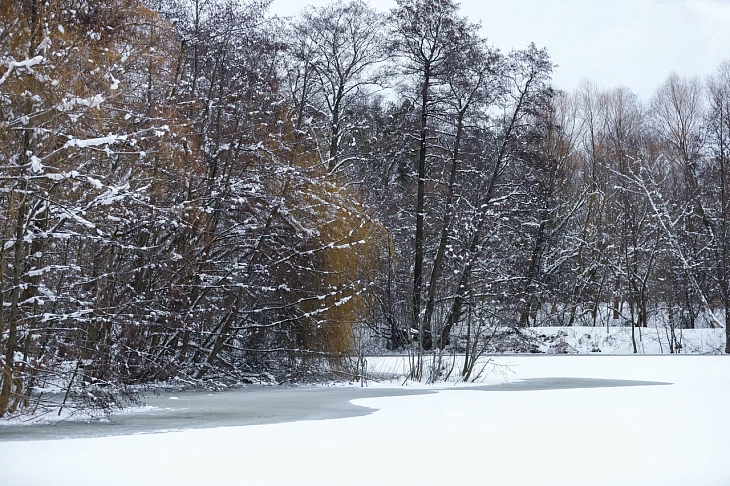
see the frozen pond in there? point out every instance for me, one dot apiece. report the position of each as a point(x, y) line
point(257, 405)
point(534, 420)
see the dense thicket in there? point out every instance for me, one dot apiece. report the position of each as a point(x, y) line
point(190, 189)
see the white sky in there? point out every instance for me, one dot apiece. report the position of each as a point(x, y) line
point(635, 43)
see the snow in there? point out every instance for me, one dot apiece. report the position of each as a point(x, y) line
point(35, 164)
point(93, 142)
point(27, 64)
point(69, 103)
point(95, 182)
point(564, 428)
point(115, 83)
point(654, 339)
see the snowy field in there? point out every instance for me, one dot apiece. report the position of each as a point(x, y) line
point(535, 420)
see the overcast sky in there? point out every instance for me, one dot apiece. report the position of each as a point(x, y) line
point(635, 43)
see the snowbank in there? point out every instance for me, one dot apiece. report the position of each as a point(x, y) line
point(617, 340)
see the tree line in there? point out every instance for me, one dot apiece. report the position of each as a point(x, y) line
point(193, 189)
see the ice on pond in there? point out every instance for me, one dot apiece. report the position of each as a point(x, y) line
point(256, 405)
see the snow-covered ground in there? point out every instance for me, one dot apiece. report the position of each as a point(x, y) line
point(654, 339)
point(557, 427)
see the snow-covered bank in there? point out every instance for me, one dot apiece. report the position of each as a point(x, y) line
point(620, 435)
point(617, 340)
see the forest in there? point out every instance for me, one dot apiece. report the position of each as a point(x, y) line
point(195, 190)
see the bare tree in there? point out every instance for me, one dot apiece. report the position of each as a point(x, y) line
point(526, 81)
point(336, 51)
point(428, 36)
point(719, 139)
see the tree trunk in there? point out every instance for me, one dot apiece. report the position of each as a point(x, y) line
point(424, 335)
point(727, 330)
point(8, 371)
